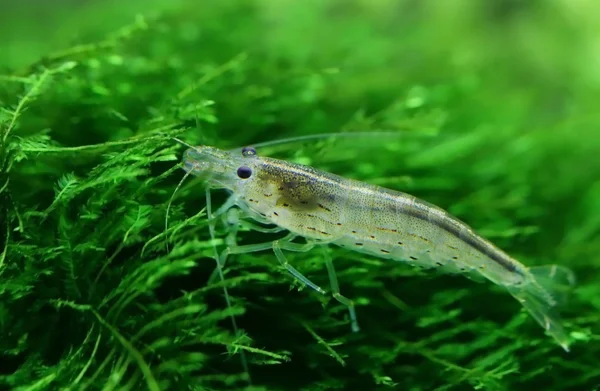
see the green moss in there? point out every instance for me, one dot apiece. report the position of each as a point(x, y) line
point(495, 110)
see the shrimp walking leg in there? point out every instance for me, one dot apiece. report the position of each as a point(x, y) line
point(258, 228)
point(249, 248)
point(227, 205)
point(243, 249)
point(276, 246)
point(233, 248)
point(234, 218)
point(335, 290)
point(297, 275)
point(231, 220)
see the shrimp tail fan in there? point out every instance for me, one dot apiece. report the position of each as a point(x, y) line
point(547, 289)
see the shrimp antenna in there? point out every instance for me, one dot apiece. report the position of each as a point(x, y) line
point(318, 136)
point(175, 191)
point(169, 208)
point(325, 135)
point(182, 142)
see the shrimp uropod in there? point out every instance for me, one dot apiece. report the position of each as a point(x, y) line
point(328, 209)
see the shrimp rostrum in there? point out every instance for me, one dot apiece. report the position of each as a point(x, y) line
point(328, 209)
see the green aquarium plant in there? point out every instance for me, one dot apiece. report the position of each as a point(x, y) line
point(107, 274)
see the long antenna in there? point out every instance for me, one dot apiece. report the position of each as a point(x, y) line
point(169, 208)
point(183, 143)
point(322, 136)
point(380, 133)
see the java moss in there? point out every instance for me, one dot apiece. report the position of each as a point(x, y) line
point(494, 110)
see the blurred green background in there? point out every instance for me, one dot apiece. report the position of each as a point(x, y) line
point(90, 298)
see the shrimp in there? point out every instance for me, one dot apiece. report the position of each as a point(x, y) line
point(327, 209)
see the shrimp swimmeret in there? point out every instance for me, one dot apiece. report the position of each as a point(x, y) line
point(328, 209)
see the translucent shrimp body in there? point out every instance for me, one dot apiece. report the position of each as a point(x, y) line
point(328, 209)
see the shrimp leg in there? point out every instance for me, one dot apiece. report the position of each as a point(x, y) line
point(233, 248)
point(286, 244)
point(227, 205)
point(258, 228)
point(335, 290)
point(235, 217)
point(277, 246)
point(233, 220)
point(231, 241)
point(284, 262)
point(249, 248)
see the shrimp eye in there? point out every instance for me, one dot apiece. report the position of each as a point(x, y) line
point(248, 151)
point(244, 172)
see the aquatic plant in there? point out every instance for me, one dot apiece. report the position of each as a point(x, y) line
point(90, 296)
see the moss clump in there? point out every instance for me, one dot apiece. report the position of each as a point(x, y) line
point(495, 108)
